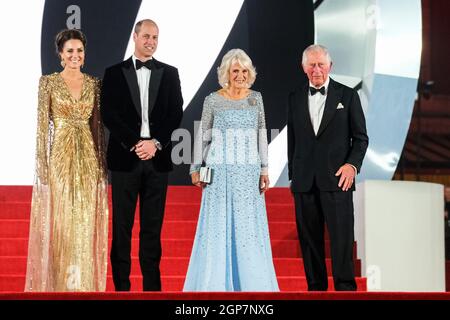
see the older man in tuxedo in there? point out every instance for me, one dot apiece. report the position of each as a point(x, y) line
point(141, 106)
point(327, 141)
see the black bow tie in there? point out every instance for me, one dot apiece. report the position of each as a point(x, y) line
point(314, 90)
point(149, 64)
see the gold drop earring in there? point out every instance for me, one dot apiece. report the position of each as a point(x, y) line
point(63, 64)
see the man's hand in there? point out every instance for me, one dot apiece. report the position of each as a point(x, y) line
point(347, 173)
point(264, 183)
point(195, 177)
point(145, 149)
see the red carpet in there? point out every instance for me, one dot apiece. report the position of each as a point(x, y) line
point(178, 233)
point(229, 296)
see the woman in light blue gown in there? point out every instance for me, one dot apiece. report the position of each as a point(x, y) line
point(232, 250)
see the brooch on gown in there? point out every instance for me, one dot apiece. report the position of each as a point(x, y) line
point(251, 101)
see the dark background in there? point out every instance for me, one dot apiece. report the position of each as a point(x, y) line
point(273, 34)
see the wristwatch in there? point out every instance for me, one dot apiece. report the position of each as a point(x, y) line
point(157, 144)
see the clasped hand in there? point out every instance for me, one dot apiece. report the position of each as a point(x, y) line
point(145, 149)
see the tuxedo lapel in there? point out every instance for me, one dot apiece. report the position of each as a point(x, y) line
point(155, 81)
point(333, 97)
point(305, 118)
point(130, 75)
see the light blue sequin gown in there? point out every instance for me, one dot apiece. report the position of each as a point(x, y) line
point(232, 250)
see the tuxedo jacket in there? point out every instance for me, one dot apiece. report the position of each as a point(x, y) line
point(121, 113)
point(341, 138)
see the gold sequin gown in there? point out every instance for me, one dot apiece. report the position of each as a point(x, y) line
point(69, 213)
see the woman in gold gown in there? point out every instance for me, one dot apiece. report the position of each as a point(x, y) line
point(68, 239)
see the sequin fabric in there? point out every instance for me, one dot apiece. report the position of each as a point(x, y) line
point(232, 250)
point(68, 239)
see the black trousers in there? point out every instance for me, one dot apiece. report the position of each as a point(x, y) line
point(313, 209)
point(151, 186)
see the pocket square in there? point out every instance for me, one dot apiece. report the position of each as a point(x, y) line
point(340, 106)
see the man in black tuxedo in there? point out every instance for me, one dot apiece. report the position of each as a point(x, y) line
point(141, 106)
point(327, 141)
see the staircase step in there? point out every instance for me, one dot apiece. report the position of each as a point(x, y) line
point(174, 211)
point(171, 248)
point(174, 194)
point(19, 228)
point(16, 283)
point(175, 266)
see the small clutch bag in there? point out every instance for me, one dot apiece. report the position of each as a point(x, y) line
point(205, 175)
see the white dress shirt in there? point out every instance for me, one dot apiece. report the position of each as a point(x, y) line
point(143, 78)
point(317, 105)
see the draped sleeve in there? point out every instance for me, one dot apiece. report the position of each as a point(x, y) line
point(101, 216)
point(263, 147)
point(43, 135)
point(38, 278)
point(203, 136)
point(98, 133)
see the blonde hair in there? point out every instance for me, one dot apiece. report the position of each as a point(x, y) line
point(231, 57)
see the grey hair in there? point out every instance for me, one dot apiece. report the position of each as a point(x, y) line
point(230, 58)
point(137, 26)
point(316, 48)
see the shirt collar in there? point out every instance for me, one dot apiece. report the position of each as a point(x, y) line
point(327, 82)
point(133, 57)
